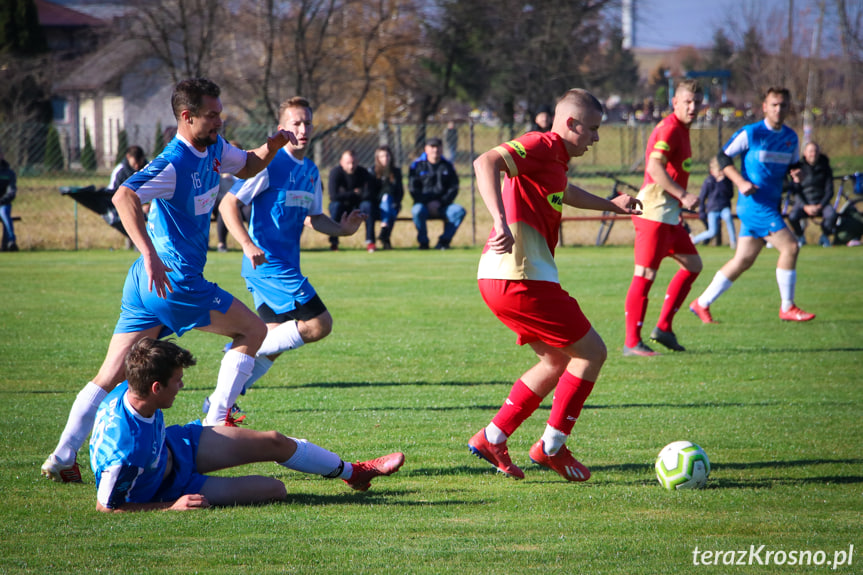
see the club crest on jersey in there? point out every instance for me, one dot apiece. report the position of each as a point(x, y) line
point(217, 165)
point(556, 201)
point(519, 149)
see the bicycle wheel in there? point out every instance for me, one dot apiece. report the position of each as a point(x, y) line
point(849, 224)
point(604, 229)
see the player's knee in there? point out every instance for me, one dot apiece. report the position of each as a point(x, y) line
point(317, 328)
point(273, 490)
point(280, 445)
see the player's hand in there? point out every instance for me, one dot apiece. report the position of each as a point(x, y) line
point(280, 139)
point(351, 222)
point(255, 254)
point(627, 204)
point(502, 241)
point(795, 175)
point(748, 188)
point(689, 201)
point(191, 501)
point(157, 274)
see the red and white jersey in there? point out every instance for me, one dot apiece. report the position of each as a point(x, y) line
point(669, 141)
point(533, 200)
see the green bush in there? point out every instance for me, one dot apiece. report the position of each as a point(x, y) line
point(53, 161)
point(88, 155)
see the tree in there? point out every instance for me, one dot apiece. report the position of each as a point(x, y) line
point(158, 140)
point(53, 160)
point(122, 144)
point(182, 34)
point(618, 73)
point(88, 155)
point(20, 33)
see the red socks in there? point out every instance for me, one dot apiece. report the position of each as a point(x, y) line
point(636, 308)
point(520, 405)
point(569, 398)
point(678, 289)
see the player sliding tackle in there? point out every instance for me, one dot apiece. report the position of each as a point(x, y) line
point(141, 465)
point(518, 281)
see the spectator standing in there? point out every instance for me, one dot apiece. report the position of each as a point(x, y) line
point(433, 184)
point(349, 191)
point(715, 204)
point(812, 190)
point(8, 191)
point(387, 191)
point(543, 120)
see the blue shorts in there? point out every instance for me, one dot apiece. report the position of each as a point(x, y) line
point(280, 294)
point(759, 223)
point(188, 307)
point(184, 478)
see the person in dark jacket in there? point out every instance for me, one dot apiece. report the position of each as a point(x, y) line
point(812, 188)
point(8, 190)
point(715, 203)
point(133, 161)
point(433, 185)
point(349, 190)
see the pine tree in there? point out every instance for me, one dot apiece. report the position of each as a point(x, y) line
point(122, 144)
point(158, 143)
point(20, 32)
point(88, 155)
point(53, 160)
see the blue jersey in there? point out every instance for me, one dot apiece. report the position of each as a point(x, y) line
point(182, 184)
point(127, 451)
point(281, 196)
point(767, 156)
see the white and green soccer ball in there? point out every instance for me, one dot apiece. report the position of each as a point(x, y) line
point(682, 465)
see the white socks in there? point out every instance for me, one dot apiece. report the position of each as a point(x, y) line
point(262, 366)
point(311, 458)
point(787, 280)
point(494, 435)
point(80, 423)
point(282, 338)
point(235, 370)
point(553, 440)
point(717, 287)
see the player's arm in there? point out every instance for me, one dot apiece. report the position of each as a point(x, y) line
point(739, 144)
point(131, 214)
point(488, 168)
point(259, 158)
point(184, 503)
point(656, 169)
point(582, 199)
point(348, 225)
point(230, 208)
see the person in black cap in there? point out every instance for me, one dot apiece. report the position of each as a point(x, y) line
point(433, 185)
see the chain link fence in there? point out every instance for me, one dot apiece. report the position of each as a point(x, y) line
point(52, 221)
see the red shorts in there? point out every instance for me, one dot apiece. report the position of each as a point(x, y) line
point(536, 311)
point(655, 241)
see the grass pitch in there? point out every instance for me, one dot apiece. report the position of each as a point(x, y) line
point(417, 363)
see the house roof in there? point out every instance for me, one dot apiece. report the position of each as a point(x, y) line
point(56, 16)
point(101, 68)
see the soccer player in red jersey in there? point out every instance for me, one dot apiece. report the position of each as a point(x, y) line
point(659, 231)
point(518, 280)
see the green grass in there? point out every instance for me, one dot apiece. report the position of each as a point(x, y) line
point(417, 363)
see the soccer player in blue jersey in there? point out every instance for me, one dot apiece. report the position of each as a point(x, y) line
point(141, 465)
point(285, 197)
point(769, 150)
point(165, 290)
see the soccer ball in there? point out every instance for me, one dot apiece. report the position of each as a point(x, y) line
point(682, 465)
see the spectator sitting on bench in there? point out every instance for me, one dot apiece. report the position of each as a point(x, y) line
point(8, 190)
point(434, 186)
point(813, 189)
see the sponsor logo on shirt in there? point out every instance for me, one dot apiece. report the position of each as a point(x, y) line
point(556, 201)
point(519, 149)
point(687, 165)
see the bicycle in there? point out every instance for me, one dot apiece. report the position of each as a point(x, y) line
point(849, 221)
point(605, 225)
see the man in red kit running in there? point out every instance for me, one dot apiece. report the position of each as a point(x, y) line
point(659, 231)
point(518, 280)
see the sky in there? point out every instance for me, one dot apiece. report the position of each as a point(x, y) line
point(672, 23)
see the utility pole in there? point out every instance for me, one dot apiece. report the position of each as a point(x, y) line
point(814, 55)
